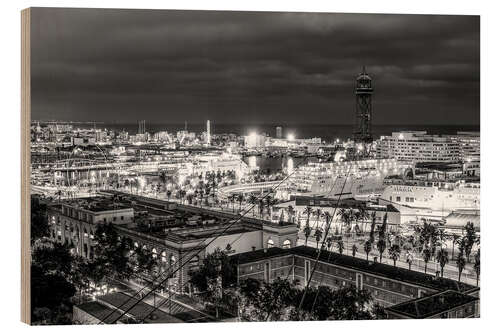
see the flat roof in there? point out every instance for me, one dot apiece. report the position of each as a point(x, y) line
point(343, 203)
point(95, 204)
point(428, 306)
point(388, 271)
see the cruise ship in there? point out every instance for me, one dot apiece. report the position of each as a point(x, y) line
point(358, 179)
point(436, 195)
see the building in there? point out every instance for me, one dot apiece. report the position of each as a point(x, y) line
point(418, 146)
point(279, 132)
point(446, 304)
point(177, 236)
point(162, 136)
point(74, 222)
point(82, 141)
point(389, 286)
point(470, 152)
point(142, 127)
point(255, 140)
point(363, 120)
point(209, 139)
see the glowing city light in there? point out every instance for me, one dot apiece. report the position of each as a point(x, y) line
point(290, 137)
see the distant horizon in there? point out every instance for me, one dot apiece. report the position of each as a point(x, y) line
point(250, 124)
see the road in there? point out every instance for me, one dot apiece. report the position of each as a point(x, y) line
point(174, 307)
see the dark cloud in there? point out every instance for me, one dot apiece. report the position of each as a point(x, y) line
point(239, 67)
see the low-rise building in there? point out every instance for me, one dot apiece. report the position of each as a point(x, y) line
point(387, 284)
point(418, 146)
point(177, 236)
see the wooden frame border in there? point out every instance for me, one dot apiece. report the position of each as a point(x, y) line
point(25, 165)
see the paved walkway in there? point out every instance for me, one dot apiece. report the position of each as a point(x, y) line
point(168, 304)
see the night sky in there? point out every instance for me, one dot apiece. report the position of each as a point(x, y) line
point(251, 68)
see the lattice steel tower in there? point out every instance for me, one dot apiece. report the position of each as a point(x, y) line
point(363, 121)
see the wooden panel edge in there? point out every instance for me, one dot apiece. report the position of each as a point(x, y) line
point(25, 165)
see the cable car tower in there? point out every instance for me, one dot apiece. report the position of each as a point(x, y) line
point(363, 121)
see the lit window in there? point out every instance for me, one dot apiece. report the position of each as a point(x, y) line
point(270, 243)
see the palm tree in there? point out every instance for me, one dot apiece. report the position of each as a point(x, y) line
point(307, 232)
point(318, 213)
point(372, 228)
point(460, 264)
point(381, 245)
point(470, 236)
point(269, 204)
point(58, 195)
point(354, 250)
point(442, 258)
point(328, 218)
point(253, 201)
point(346, 216)
point(394, 253)
point(477, 266)
point(318, 234)
point(409, 260)
point(308, 210)
point(232, 199)
point(262, 204)
point(329, 242)
point(368, 248)
point(426, 256)
point(442, 236)
point(454, 240)
point(182, 194)
point(340, 246)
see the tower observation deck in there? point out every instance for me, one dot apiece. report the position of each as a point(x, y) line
point(363, 121)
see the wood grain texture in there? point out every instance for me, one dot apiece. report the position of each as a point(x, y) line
point(25, 165)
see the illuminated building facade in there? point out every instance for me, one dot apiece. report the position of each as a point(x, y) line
point(418, 146)
point(209, 139)
point(279, 132)
point(255, 140)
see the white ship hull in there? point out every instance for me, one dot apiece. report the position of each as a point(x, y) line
point(436, 198)
point(362, 180)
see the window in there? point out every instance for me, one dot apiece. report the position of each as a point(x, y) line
point(398, 199)
point(104, 219)
point(287, 244)
point(270, 243)
point(121, 217)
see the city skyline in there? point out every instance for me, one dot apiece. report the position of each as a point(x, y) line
point(262, 68)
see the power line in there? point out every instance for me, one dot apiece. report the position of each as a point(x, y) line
point(187, 261)
point(324, 240)
point(251, 207)
point(323, 243)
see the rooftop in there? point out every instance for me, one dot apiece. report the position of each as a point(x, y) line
point(428, 306)
point(99, 311)
point(388, 271)
point(96, 204)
